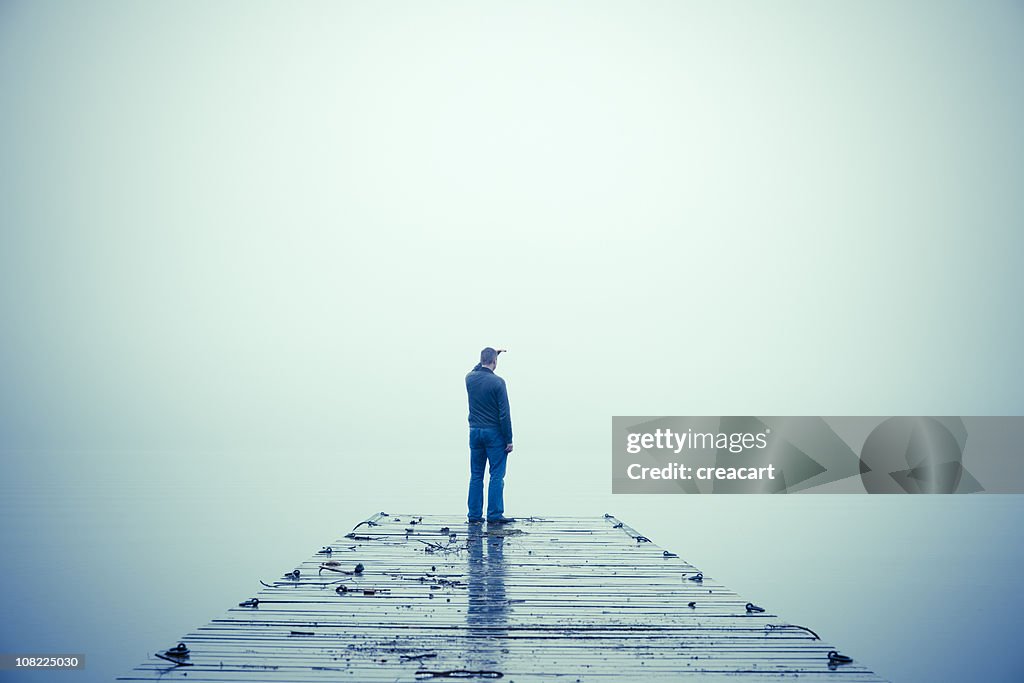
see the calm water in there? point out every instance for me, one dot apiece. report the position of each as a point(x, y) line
point(119, 559)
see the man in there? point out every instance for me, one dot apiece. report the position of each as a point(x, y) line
point(490, 438)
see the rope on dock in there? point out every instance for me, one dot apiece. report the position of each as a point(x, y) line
point(367, 522)
point(768, 628)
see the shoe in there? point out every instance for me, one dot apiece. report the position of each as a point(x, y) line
point(501, 520)
point(476, 520)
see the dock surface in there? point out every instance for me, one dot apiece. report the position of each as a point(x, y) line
point(420, 598)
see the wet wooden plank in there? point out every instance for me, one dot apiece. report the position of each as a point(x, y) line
point(558, 598)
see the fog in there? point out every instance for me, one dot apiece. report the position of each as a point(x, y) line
point(249, 250)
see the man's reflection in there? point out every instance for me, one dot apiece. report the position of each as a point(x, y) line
point(487, 615)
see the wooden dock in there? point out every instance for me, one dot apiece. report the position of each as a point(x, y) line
point(418, 598)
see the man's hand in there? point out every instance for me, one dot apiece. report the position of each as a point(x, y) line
point(508, 448)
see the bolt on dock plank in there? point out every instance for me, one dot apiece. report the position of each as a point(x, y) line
point(414, 598)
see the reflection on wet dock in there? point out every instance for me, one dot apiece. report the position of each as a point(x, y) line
point(413, 598)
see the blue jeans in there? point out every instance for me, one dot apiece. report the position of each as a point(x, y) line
point(486, 445)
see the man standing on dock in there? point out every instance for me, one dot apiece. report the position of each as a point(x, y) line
point(490, 438)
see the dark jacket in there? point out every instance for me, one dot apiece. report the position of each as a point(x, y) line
point(488, 401)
